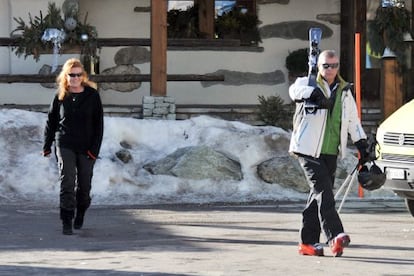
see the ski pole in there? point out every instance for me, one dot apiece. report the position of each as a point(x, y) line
point(354, 173)
point(346, 182)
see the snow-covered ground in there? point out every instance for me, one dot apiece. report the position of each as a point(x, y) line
point(27, 175)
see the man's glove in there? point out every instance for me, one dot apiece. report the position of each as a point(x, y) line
point(46, 153)
point(364, 155)
point(318, 98)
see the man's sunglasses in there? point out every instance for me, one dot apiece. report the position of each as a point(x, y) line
point(332, 65)
point(72, 75)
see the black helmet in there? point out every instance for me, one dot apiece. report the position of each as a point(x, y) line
point(372, 178)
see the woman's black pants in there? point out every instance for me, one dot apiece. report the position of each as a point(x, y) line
point(75, 177)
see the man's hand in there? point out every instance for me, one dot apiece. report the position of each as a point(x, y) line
point(318, 98)
point(46, 153)
point(364, 155)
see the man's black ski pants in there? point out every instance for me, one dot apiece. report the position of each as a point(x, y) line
point(320, 212)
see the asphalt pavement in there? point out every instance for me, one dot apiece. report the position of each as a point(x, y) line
point(211, 239)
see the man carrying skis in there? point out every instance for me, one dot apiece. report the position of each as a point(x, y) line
point(324, 117)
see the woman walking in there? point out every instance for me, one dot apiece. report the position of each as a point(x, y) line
point(75, 124)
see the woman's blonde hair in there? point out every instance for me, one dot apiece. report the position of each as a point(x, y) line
point(62, 80)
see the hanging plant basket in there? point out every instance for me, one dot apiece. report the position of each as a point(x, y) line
point(387, 30)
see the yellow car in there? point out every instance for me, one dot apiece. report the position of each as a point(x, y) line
point(395, 153)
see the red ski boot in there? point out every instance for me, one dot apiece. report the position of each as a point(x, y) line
point(310, 249)
point(338, 244)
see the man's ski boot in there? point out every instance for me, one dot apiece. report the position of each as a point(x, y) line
point(310, 249)
point(338, 244)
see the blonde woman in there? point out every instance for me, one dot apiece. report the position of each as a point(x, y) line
point(75, 124)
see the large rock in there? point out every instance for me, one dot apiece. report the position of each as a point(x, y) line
point(285, 171)
point(244, 78)
point(121, 86)
point(47, 70)
point(293, 30)
point(199, 162)
point(132, 55)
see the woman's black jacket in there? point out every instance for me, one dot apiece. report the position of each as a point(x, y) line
point(76, 123)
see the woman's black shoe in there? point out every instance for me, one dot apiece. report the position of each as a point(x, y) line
point(67, 227)
point(79, 219)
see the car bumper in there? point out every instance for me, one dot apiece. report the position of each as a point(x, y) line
point(400, 176)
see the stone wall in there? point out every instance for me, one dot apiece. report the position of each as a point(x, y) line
point(158, 108)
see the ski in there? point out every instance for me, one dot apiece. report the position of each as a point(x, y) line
point(315, 36)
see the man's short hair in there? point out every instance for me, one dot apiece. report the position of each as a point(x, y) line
point(327, 54)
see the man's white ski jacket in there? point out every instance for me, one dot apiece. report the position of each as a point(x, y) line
point(309, 128)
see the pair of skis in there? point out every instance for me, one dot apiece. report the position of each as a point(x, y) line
point(315, 37)
point(303, 106)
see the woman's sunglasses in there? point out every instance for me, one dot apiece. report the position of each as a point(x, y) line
point(72, 75)
point(332, 65)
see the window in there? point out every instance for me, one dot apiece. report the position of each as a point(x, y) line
point(180, 5)
point(234, 19)
point(220, 6)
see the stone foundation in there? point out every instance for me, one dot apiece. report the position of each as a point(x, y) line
point(158, 108)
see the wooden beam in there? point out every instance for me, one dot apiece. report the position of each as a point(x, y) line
point(123, 41)
point(158, 47)
point(391, 86)
point(36, 78)
point(206, 11)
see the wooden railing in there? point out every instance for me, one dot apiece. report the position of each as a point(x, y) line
point(117, 42)
point(37, 78)
point(196, 44)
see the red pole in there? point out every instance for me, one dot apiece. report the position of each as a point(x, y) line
point(358, 86)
